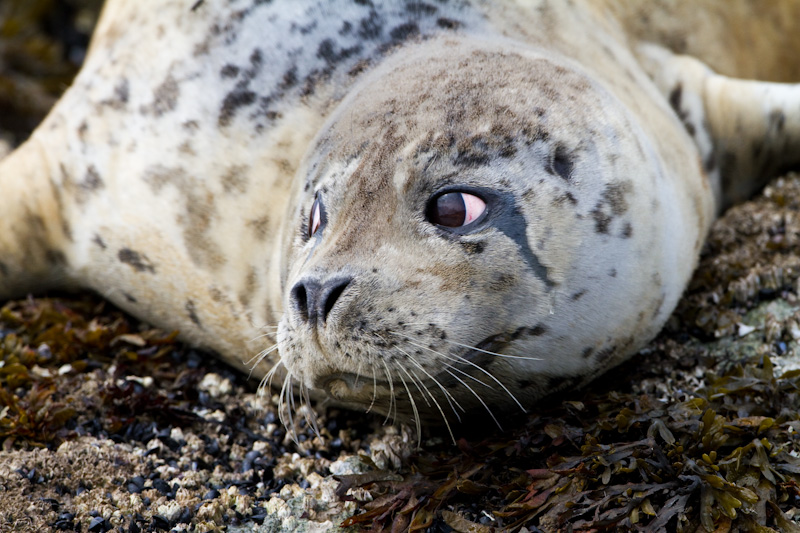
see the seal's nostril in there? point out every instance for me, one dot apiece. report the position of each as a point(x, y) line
point(332, 290)
point(313, 301)
point(300, 298)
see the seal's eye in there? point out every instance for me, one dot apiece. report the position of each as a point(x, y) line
point(314, 218)
point(455, 209)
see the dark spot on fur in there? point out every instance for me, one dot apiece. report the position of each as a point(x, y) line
point(55, 257)
point(601, 220)
point(98, 240)
point(371, 26)
point(447, 24)
point(165, 97)
point(565, 198)
point(480, 149)
point(250, 284)
point(612, 273)
point(92, 180)
point(229, 71)
point(138, 261)
point(627, 231)
point(471, 158)
point(403, 32)
point(289, 79)
point(232, 102)
point(130, 298)
point(777, 120)
point(615, 196)
point(419, 8)
point(235, 179)
point(587, 352)
point(192, 312)
point(473, 247)
point(122, 91)
point(260, 227)
point(577, 296)
point(216, 295)
point(675, 101)
point(675, 98)
point(304, 29)
point(502, 282)
point(359, 67)
point(241, 95)
point(535, 331)
point(561, 164)
point(603, 355)
point(524, 383)
point(328, 53)
point(659, 303)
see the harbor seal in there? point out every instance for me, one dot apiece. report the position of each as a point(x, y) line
point(421, 208)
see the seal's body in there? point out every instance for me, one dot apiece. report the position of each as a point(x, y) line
point(431, 207)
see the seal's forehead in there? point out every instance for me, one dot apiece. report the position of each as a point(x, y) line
point(481, 111)
point(472, 103)
point(472, 89)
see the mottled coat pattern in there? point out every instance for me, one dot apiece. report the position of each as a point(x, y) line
point(180, 177)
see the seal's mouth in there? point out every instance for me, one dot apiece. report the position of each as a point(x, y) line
point(349, 387)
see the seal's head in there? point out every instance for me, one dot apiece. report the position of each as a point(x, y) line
point(464, 221)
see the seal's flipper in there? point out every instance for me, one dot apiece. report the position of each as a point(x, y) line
point(747, 131)
point(32, 231)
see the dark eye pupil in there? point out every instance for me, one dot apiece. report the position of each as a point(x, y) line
point(448, 210)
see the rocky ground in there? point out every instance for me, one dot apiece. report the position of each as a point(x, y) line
point(107, 424)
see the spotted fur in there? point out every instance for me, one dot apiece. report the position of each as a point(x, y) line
point(177, 176)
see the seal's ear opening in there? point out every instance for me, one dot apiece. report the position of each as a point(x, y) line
point(746, 131)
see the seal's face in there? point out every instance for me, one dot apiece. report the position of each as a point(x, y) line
point(440, 229)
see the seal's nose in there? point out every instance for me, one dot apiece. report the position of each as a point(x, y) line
point(314, 300)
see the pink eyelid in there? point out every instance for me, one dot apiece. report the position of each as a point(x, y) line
point(474, 207)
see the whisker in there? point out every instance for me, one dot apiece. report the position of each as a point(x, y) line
point(417, 384)
point(483, 403)
point(260, 356)
point(285, 418)
point(450, 398)
point(413, 407)
point(374, 383)
point(467, 361)
point(267, 331)
point(266, 381)
point(392, 401)
point(308, 413)
point(290, 397)
point(439, 407)
point(262, 335)
point(507, 356)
